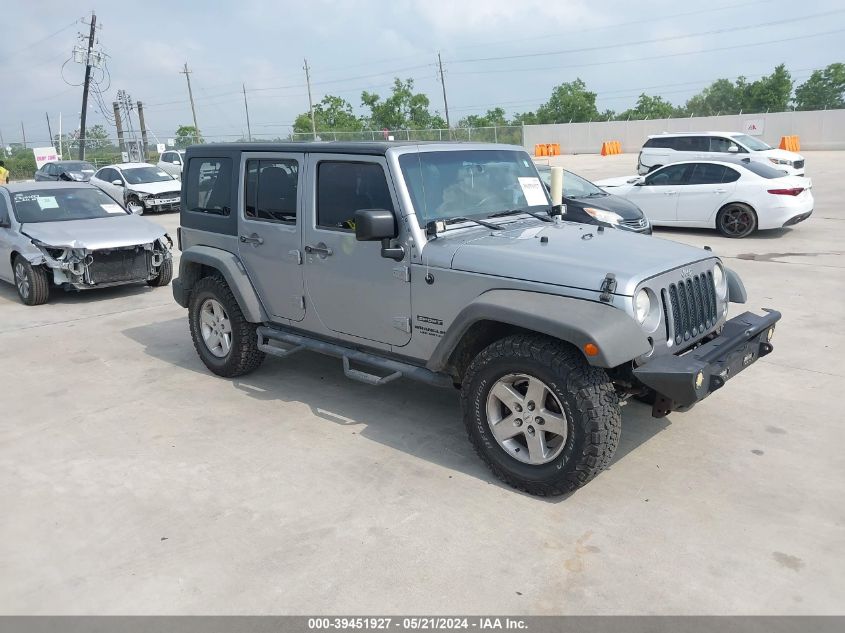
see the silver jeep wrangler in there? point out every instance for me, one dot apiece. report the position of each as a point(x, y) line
point(449, 264)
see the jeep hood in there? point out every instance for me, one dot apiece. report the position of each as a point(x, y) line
point(95, 234)
point(574, 255)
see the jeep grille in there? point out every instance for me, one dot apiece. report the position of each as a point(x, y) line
point(690, 307)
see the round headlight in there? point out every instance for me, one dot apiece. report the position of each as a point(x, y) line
point(642, 304)
point(720, 281)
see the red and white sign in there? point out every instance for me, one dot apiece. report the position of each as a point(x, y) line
point(44, 155)
point(754, 127)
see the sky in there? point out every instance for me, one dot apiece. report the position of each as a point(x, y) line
point(507, 53)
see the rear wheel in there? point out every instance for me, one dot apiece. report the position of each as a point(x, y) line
point(31, 282)
point(736, 220)
point(543, 420)
point(226, 342)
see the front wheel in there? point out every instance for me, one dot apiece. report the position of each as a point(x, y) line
point(539, 415)
point(736, 220)
point(31, 282)
point(165, 274)
point(134, 205)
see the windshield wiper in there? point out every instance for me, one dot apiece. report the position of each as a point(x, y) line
point(501, 214)
point(489, 225)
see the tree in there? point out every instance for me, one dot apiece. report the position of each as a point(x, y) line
point(402, 110)
point(524, 118)
point(824, 89)
point(650, 108)
point(96, 138)
point(494, 117)
point(569, 101)
point(770, 93)
point(332, 114)
point(187, 135)
point(721, 96)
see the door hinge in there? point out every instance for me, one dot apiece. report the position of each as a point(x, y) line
point(300, 301)
point(402, 323)
point(296, 255)
point(608, 287)
point(402, 273)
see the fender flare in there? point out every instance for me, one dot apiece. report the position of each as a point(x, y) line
point(577, 321)
point(232, 270)
point(736, 289)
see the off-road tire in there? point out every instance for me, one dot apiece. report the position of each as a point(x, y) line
point(165, 274)
point(39, 282)
point(736, 207)
point(244, 355)
point(586, 393)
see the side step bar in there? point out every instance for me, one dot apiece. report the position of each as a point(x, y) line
point(295, 343)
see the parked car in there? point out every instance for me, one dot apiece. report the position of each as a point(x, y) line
point(74, 236)
point(141, 186)
point(587, 203)
point(736, 198)
point(446, 263)
point(171, 161)
point(69, 170)
point(663, 149)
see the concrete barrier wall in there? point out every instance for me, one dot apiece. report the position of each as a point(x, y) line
point(819, 129)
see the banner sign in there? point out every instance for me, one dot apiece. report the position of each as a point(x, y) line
point(44, 155)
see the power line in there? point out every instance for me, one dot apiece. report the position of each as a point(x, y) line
point(37, 42)
point(651, 57)
point(670, 38)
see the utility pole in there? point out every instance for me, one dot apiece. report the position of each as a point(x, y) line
point(310, 103)
point(119, 125)
point(85, 88)
point(246, 107)
point(143, 128)
point(2, 144)
point(49, 131)
point(443, 85)
point(187, 74)
point(23, 133)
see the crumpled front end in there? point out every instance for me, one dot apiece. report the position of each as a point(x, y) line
point(84, 269)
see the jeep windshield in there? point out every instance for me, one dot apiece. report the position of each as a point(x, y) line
point(57, 205)
point(471, 183)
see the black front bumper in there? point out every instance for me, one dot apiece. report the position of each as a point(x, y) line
point(681, 381)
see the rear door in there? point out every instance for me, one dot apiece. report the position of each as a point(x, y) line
point(658, 195)
point(103, 179)
point(270, 230)
point(353, 289)
point(707, 188)
point(5, 239)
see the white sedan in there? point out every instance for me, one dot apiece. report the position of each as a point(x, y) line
point(736, 198)
point(142, 187)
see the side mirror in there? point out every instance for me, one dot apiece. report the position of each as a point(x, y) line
point(639, 180)
point(117, 183)
point(373, 225)
point(733, 149)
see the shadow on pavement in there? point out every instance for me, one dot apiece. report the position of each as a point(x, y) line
point(412, 417)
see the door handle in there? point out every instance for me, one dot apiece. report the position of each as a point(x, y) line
point(720, 191)
point(669, 193)
point(254, 239)
point(320, 249)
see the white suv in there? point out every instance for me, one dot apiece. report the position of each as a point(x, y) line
point(171, 161)
point(663, 149)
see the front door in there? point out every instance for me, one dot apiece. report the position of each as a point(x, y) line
point(658, 195)
point(708, 187)
point(269, 231)
point(352, 288)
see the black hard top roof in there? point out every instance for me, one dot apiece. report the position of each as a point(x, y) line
point(321, 147)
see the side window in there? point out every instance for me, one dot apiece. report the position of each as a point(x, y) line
point(706, 174)
point(671, 175)
point(270, 190)
point(105, 175)
point(730, 175)
point(48, 169)
point(208, 186)
point(4, 209)
point(167, 157)
point(345, 187)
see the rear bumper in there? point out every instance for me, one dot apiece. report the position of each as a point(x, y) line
point(681, 381)
point(798, 218)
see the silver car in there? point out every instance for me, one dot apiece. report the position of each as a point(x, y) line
point(74, 236)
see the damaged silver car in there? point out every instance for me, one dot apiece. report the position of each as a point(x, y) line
point(74, 236)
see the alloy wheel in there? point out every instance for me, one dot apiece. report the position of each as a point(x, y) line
point(216, 328)
point(526, 419)
point(22, 280)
